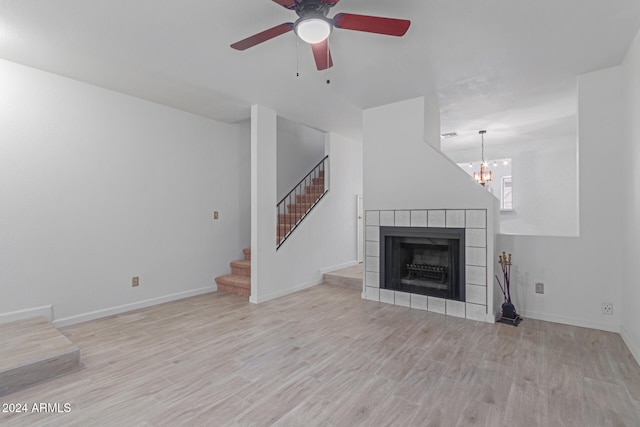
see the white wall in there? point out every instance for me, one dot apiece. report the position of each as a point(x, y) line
point(580, 273)
point(97, 187)
point(545, 184)
point(299, 149)
point(432, 122)
point(402, 172)
point(631, 153)
point(325, 240)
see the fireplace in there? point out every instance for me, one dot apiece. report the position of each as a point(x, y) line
point(423, 260)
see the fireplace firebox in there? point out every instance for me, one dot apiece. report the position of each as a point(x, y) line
point(423, 260)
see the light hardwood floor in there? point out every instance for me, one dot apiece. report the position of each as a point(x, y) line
point(324, 357)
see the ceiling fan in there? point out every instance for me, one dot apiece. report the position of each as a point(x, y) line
point(314, 27)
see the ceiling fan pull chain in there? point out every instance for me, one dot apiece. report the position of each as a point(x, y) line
point(297, 56)
point(328, 56)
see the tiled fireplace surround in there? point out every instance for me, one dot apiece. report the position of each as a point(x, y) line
point(474, 221)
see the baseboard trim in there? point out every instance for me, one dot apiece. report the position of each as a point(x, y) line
point(634, 347)
point(338, 267)
point(45, 311)
point(571, 321)
point(284, 292)
point(97, 314)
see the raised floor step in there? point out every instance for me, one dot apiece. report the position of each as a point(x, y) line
point(349, 277)
point(32, 351)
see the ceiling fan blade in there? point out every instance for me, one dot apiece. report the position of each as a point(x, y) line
point(329, 3)
point(263, 36)
point(322, 54)
point(289, 4)
point(372, 24)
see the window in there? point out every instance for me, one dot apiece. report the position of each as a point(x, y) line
point(506, 195)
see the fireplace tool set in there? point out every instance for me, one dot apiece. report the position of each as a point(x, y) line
point(509, 314)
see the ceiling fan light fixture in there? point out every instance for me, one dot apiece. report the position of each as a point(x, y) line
point(313, 30)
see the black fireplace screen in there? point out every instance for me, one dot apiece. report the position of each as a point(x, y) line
point(427, 261)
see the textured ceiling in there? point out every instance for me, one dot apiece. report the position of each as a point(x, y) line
point(506, 65)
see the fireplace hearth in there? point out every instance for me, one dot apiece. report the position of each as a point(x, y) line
point(423, 260)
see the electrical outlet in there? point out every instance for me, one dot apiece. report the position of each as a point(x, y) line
point(539, 288)
point(215, 215)
point(607, 308)
point(135, 281)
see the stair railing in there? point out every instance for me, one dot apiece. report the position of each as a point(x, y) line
point(295, 206)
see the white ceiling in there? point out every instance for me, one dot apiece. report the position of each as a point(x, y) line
point(509, 66)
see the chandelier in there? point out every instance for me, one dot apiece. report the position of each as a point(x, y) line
point(485, 175)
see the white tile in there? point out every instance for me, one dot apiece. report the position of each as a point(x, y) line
point(476, 256)
point(372, 249)
point(372, 218)
point(477, 312)
point(372, 233)
point(455, 308)
point(387, 296)
point(476, 237)
point(455, 218)
point(372, 279)
point(419, 301)
point(437, 305)
point(403, 299)
point(403, 218)
point(418, 218)
point(436, 218)
point(372, 263)
point(476, 218)
point(475, 275)
point(476, 294)
point(372, 294)
point(387, 218)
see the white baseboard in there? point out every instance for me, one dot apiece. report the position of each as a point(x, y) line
point(634, 347)
point(278, 294)
point(45, 311)
point(338, 267)
point(571, 321)
point(97, 314)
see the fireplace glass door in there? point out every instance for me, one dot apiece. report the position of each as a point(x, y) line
point(424, 261)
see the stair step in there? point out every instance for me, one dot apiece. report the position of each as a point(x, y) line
point(318, 181)
point(307, 197)
point(241, 267)
point(247, 253)
point(32, 351)
point(289, 218)
point(234, 284)
point(314, 189)
point(285, 228)
point(299, 208)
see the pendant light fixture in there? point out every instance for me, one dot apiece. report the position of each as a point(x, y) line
point(485, 175)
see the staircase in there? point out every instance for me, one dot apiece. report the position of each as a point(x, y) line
point(294, 207)
point(239, 281)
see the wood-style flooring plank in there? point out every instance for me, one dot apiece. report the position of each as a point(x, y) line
point(325, 357)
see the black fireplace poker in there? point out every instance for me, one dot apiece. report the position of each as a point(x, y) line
point(509, 315)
